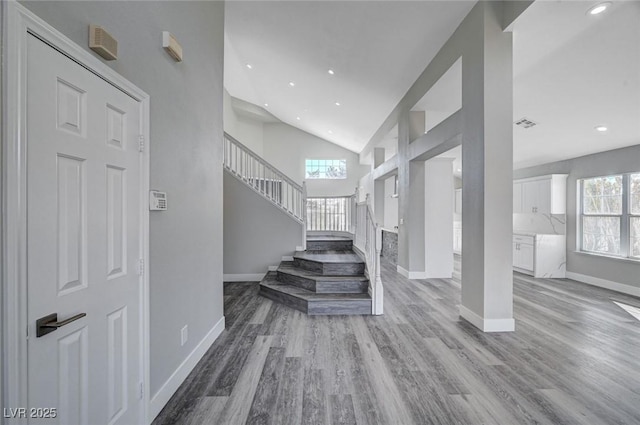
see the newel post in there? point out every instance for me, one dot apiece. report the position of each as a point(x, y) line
point(304, 215)
point(378, 292)
point(354, 211)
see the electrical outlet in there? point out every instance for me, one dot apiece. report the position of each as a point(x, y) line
point(184, 335)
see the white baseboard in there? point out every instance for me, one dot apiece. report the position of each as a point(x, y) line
point(411, 275)
point(287, 258)
point(403, 272)
point(603, 283)
point(273, 268)
point(161, 398)
point(243, 277)
point(487, 325)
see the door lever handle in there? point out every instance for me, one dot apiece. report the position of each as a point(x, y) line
point(49, 323)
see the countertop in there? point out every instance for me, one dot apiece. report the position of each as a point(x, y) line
point(533, 234)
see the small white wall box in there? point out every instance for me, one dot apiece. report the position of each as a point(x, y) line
point(157, 201)
point(171, 45)
point(103, 43)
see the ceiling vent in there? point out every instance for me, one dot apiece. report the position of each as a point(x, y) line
point(525, 123)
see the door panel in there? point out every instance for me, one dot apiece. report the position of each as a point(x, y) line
point(526, 256)
point(544, 197)
point(529, 196)
point(83, 243)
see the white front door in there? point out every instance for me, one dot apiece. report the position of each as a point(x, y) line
point(83, 245)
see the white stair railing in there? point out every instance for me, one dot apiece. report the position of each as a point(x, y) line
point(265, 179)
point(330, 213)
point(368, 239)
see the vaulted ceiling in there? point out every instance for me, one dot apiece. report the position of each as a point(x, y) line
point(376, 50)
point(572, 71)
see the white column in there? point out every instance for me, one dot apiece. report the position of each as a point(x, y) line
point(378, 188)
point(438, 218)
point(487, 152)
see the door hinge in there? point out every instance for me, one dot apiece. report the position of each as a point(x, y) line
point(141, 390)
point(141, 267)
point(141, 143)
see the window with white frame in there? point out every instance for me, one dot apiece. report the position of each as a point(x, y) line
point(634, 215)
point(326, 168)
point(610, 215)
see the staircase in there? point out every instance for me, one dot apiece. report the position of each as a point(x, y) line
point(326, 279)
point(327, 276)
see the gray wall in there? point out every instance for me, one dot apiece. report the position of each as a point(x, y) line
point(247, 131)
point(611, 162)
point(256, 233)
point(186, 153)
point(287, 147)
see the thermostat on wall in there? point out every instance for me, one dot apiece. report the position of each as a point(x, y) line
point(157, 201)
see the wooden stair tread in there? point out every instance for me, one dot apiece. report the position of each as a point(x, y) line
point(332, 257)
point(295, 271)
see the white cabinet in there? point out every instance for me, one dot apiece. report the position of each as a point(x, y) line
point(523, 252)
point(540, 255)
point(544, 194)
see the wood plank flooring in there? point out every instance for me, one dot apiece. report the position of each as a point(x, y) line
point(574, 359)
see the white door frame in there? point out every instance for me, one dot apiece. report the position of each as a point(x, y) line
point(18, 23)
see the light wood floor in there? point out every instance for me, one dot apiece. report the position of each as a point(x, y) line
point(574, 359)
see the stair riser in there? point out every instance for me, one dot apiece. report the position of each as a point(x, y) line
point(329, 245)
point(282, 298)
point(331, 269)
point(320, 308)
point(343, 287)
point(300, 282)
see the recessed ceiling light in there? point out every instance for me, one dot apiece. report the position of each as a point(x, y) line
point(330, 132)
point(337, 103)
point(291, 84)
point(601, 128)
point(331, 72)
point(266, 105)
point(599, 8)
point(249, 66)
point(298, 118)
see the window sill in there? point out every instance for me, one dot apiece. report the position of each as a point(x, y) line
point(609, 257)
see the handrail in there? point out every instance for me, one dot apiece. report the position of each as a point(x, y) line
point(282, 176)
point(265, 179)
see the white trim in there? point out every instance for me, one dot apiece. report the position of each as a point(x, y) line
point(411, 275)
point(487, 325)
point(273, 268)
point(243, 277)
point(603, 283)
point(287, 258)
point(632, 260)
point(403, 272)
point(166, 391)
point(18, 22)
